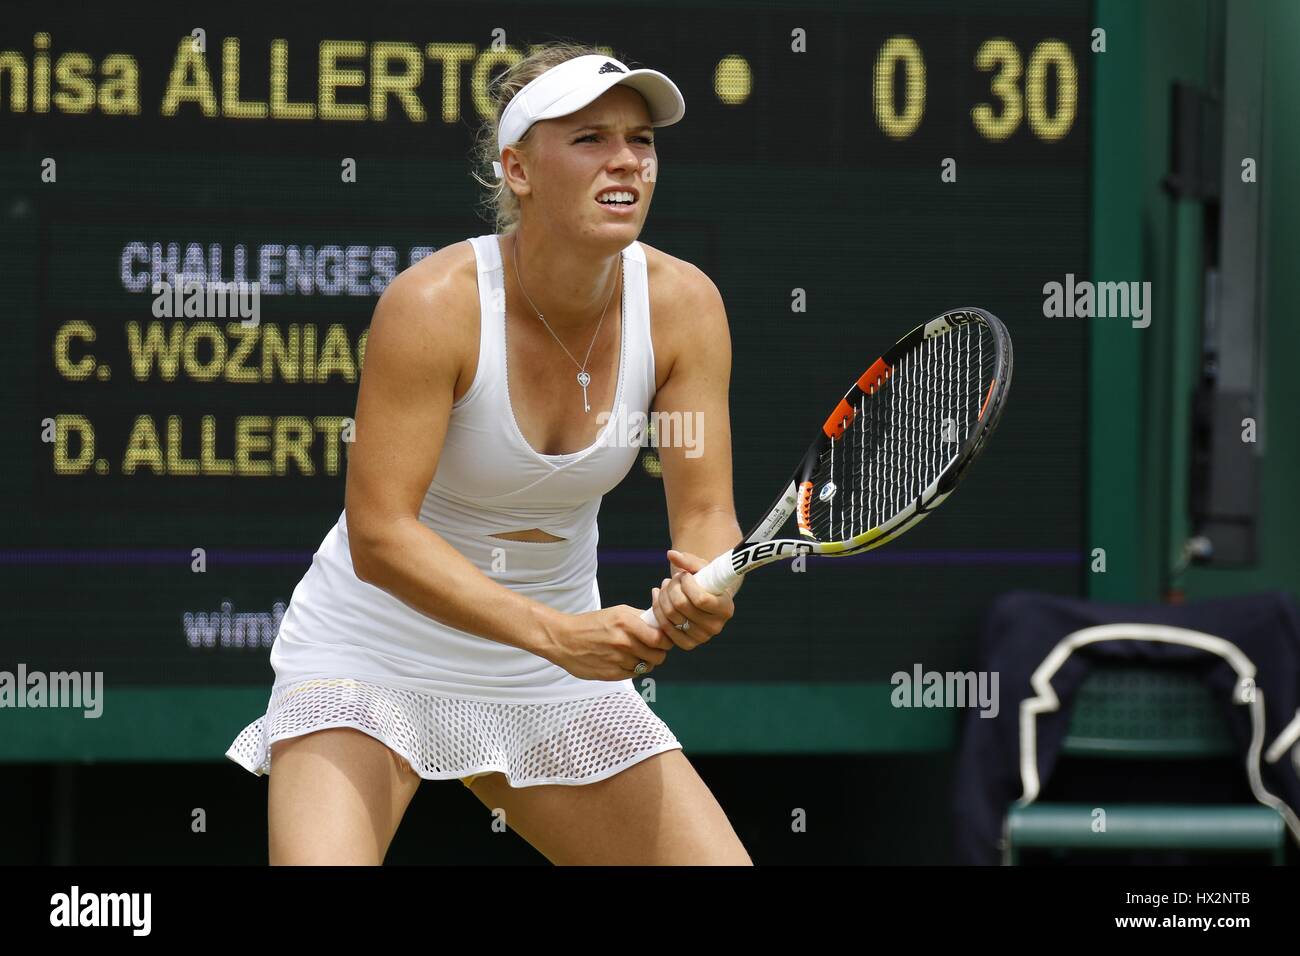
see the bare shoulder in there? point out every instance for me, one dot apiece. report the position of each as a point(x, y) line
point(686, 308)
point(430, 312)
point(674, 281)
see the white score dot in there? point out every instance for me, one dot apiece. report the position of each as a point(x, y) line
point(733, 81)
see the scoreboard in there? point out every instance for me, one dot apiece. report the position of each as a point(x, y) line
point(168, 476)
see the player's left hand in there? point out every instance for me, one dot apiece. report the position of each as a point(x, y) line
point(680, 598)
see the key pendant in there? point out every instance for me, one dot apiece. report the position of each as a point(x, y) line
point(584, 380)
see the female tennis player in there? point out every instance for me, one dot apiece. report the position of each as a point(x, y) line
point(450, 624)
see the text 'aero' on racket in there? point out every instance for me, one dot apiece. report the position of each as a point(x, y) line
point(893, 449)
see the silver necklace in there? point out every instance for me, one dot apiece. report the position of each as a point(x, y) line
point(584, 377)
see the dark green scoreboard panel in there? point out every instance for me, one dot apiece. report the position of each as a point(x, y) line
point(131, 440)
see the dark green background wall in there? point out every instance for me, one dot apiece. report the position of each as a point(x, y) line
point(1142, 378)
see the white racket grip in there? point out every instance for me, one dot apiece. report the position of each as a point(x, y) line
point(715, 577)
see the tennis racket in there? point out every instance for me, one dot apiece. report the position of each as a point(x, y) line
point(892, 450)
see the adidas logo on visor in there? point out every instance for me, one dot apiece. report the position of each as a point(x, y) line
point(608, 67)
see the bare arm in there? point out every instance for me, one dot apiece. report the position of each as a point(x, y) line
point(697, 481)
point(403, 409)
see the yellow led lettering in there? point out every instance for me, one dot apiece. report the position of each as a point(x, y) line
point(1051, 54)
point(231, 104)
point(281, 108)
point(997, 124)
point(190, 82)
point(330, 428)
point(332, 76)
point(194, 368)
point(211, 464)
point(401, 85)
point(452, 56)
point(65, 427)
point(176, 465)
point(293, 438)
point(79, 369)
point(336, 356)
point(250, 438)
point(143, 448)
point(894, 124)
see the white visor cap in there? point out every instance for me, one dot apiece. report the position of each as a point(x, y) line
point(571, 85)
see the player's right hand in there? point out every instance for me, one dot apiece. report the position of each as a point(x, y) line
point(606, 644)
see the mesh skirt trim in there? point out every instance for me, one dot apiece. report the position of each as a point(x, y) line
point(562, 742)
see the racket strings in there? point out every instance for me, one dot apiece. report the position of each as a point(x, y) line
point(903, 435)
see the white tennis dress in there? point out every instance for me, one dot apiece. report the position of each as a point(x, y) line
point(452, 703)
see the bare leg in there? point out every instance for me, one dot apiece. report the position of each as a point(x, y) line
point(336, 796)
point(657, 812)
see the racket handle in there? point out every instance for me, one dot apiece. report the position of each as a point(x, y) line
point(715, 577)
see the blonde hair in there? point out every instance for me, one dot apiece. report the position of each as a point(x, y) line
point(500, 204)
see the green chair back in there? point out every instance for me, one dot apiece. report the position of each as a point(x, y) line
point(1146, 712)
